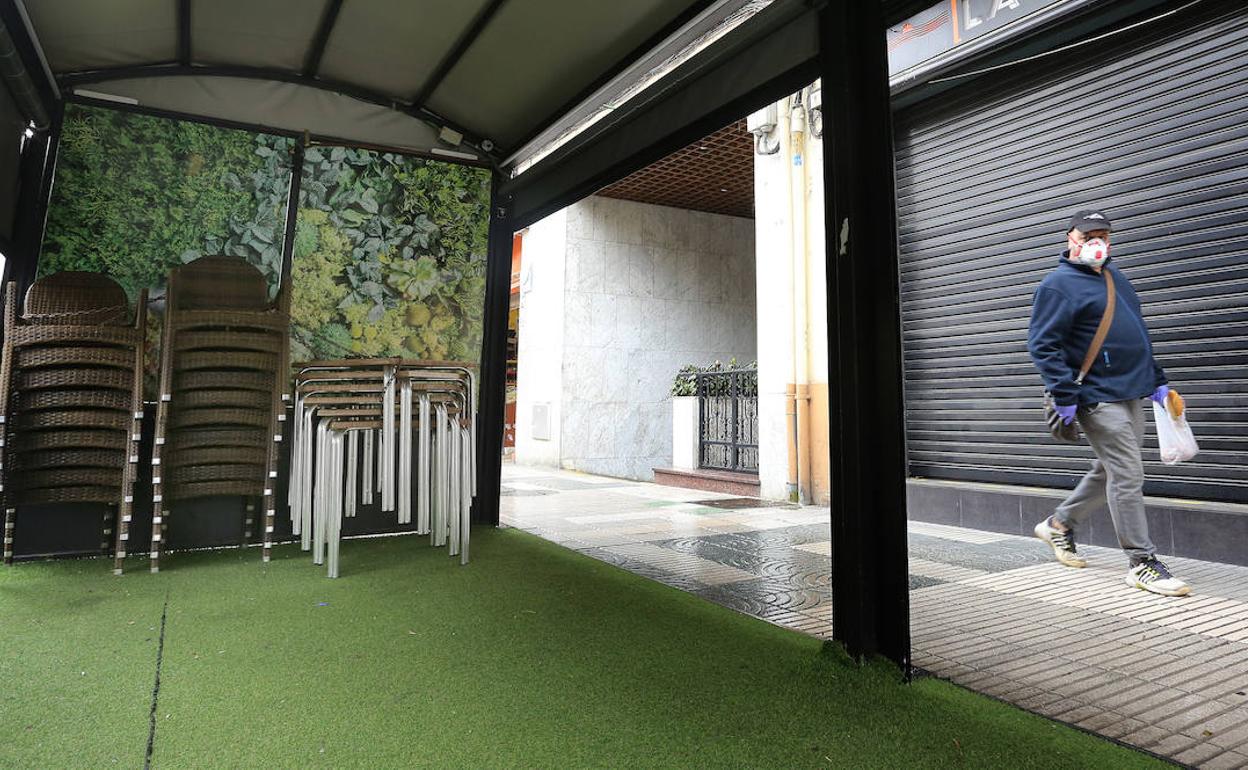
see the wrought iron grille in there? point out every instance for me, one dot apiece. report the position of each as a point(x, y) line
point(728, 420)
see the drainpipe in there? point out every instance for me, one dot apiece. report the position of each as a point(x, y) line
point(801, 304)
point(792, 488)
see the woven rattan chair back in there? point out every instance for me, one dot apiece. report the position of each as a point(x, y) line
point(76, 297)
point(219, 283)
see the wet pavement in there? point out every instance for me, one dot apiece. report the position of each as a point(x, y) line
point(991, 612)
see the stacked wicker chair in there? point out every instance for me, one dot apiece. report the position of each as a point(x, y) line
point(224, 357)
point(71, 386)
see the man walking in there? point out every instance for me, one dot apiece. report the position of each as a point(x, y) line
point(1107, 401)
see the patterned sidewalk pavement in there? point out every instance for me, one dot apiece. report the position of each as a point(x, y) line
point(991, 612)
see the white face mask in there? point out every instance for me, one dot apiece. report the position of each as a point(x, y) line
point(1092, 252)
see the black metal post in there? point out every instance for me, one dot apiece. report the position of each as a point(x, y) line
point(292, 213)
point(493, 380)
point(184, 32)
point(35, 179)
point(869, 562)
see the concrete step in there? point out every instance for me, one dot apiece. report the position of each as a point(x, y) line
point(726, 482)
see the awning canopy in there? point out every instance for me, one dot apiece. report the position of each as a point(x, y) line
point(495, 70)
point(385, 72)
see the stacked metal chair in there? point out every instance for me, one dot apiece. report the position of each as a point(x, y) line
point(224, 358)
point(408, 424)
point(71, 386)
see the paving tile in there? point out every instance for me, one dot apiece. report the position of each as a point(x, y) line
point(1231, 760)
point(1172, 745)
point(1199, 754)
point(1147, 736)
point(1123, 726)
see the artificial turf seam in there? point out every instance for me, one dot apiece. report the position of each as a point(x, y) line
point(160, 657)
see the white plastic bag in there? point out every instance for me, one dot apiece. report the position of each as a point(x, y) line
point(1174, 436)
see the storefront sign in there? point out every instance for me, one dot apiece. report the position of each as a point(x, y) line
point(951, 24)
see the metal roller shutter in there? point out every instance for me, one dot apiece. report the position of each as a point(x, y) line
point(986, 181)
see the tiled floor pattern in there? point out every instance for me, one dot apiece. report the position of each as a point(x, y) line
point(989, 611)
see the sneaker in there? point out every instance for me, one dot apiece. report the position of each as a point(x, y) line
point(1063, 544)
point(1152, 575)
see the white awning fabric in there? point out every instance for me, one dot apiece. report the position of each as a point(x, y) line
point(383, 72)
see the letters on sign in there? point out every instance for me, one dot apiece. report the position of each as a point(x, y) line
point(951, 23)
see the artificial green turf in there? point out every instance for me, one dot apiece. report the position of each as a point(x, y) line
point(531, 656)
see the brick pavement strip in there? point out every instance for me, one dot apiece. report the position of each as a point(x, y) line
point(1194, 717)
point(1161, 705)
point(1098, 720)
point(1133, 698)
point(1231, 760)
point(1037, 700)
point(1231, 739)
point(1198, 754)
point(1124, 726)
point(1076, 687)
point(1221, 725)
point(1055, 670)
point(1147, 736)
point(1174, 674)
point(1173, 744)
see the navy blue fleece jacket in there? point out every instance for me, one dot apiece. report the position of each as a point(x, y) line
point(1065, 312)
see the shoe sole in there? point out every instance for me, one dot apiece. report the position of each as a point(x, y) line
point(1184, 591)
point(1057, 553)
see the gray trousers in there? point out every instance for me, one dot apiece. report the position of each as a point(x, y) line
point(1116, 432)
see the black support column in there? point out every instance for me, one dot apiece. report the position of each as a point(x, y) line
point(869, 563)
point(493, 373)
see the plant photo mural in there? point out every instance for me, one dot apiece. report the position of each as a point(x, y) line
point(389, 257)
point(389, 252)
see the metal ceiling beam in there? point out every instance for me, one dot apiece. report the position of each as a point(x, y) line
point(184, 32)
point(457, 52)
point(756, 63)
point(312, 62)
point(314, 138)
point(652, 42)
point(72, 80)
point(12, 16)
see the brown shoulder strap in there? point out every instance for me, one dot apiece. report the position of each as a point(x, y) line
point(1102, 330)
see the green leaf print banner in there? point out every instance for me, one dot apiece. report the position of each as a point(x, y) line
point(389, 253)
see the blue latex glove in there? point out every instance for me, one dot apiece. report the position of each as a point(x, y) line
point(1160, 394)
point(1067, 413)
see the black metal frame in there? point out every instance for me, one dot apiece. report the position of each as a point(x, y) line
point(314, 139)
point(38, 168)
point(71, 80)
point(589, 163)
point(493, 388)
point(452, 57)
point(292, 214)
point(870, 586)
point(27, 49)
point(652, 42)
point(312, 62)
point(703, 386)
point(184, 32)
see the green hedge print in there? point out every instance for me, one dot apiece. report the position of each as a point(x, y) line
point(389, 257)
point(389, 252)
